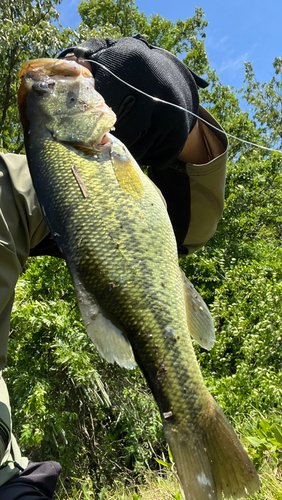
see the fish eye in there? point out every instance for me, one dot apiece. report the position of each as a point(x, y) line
point(43, 87)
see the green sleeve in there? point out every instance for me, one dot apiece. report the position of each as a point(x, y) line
point(21, 227)
point(207, 186)
point(10, 455)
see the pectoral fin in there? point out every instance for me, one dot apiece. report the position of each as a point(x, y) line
point(199, 319)
point(127, 174)
point(109, 338)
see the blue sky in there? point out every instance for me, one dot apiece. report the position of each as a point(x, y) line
point(238, 31)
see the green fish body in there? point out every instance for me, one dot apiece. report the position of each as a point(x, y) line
point(112, 227)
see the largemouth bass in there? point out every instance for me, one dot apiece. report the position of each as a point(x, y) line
point(113, 230)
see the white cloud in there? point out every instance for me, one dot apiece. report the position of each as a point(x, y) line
point(215, 44)
point(235, 64)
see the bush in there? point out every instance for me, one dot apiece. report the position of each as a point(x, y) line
point(67, 401)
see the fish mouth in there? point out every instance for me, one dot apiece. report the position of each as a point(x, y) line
point(99, 146)
point(103, 143)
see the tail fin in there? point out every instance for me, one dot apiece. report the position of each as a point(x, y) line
point(193, 467)
point(213, 462)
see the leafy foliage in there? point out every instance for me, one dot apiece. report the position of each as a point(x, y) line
point(268, 438)
point(118, 18)
point(266, 101)
point(65, 396)
point(27, 31)
point(240, 274)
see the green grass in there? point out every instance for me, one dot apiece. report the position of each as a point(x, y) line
point(166, 488)
point(155, 487)
point(271, 487)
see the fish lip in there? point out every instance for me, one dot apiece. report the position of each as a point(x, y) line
point(96, 147)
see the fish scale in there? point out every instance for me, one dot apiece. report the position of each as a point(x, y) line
point(103, 224)
point(99, 221)
point(112, 227)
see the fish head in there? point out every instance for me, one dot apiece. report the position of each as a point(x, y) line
point(59, 96)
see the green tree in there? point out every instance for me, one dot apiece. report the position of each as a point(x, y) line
point(27, 31)
point(239, 271)
point(265, 100)
point(118, 18)
point(69, 404)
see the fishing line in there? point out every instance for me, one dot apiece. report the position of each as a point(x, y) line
point(157, 99)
